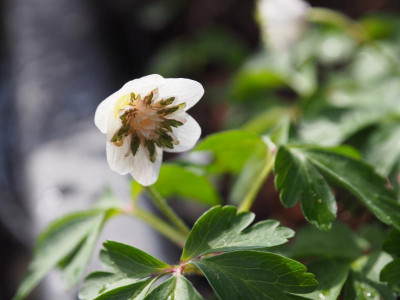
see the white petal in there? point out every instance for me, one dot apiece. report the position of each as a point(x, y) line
point(184, 90)
point(284, 21)
point(116, 157)
point(187, 134)
point(146, 172)
point(142, 86)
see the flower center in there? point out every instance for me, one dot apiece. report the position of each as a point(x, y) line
point(147, 122)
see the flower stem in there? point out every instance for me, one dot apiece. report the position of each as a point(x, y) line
point(161, 226)
point(163, 206)
point(255, 187)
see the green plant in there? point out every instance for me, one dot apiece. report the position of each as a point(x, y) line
point(334, 149)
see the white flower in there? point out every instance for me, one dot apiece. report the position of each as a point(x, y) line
point(146, 117)
point(283, 22)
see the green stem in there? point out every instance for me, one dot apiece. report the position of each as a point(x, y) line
point(161, 226)
point(162, 204)
point(255, 187)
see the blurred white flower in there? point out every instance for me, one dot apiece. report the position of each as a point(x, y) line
point(283, 22)
point(146, 117)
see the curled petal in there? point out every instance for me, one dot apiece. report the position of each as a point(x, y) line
point(184, 90)
point(146, 172)
point(105, 110)
point(187, 135)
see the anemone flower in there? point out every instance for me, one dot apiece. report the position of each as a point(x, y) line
point(144, 118)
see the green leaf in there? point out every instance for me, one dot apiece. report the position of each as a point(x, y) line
point(222, 229)
point(105, 285)
point(177, 288)
point(296, 177)
point(255, 275)
point(175, 180)
point(134, 291)
point(392, 243)
point(391, 274)
point(364, 281)
point(69, 242)
point(232, 149)
point(338, 243)
point(97, 283)
point(298, 173)
point(129, 267)
point(331, 276)
point(382, 149)
point(360, 179)
point(129, 261)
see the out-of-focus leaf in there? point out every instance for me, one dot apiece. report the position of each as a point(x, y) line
point(370, 65)
point(255, 275)
point(331, 276)
point(279, 135)
point(214, 46)
point(364, 107)
point(257, 167)
point(249, 84)
point(155, 15)
point(175, 180)
point(338, 243)
point(303, 79)
point(267, 120)
point(269, 71)
point(68, 243)
point(391, 274)
point(364, 281)
point(249, 179)
point(373, 236)
point(232, 149)
point(221, 229)
point(381, 26)
point(334, 47)
point(392, 243)
point(296, 177)
point(382, 149)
